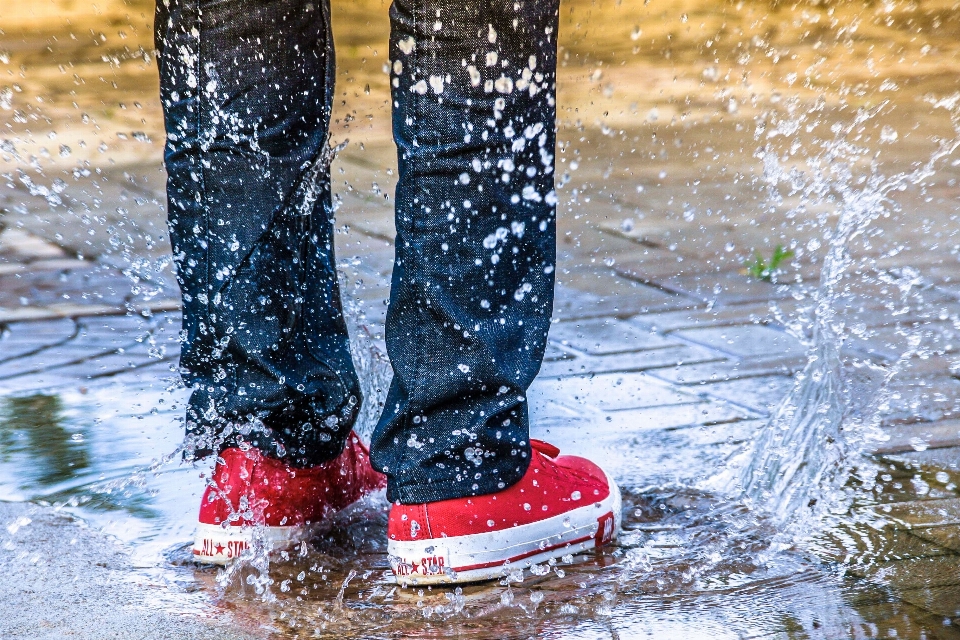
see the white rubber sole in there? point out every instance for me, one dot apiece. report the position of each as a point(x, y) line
point(214, 544)
point(491, 555)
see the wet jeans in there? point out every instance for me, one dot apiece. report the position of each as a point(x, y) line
point(247, 90)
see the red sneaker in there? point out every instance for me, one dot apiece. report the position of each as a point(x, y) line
point(562, 505)
point(251, 490)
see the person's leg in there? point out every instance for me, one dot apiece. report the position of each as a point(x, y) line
point(247, 91)
point(474, 112)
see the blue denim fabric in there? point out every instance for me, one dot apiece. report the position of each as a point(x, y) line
point(247, 91)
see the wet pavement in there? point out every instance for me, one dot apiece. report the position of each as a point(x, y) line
point(63, 580)
point(693, 138)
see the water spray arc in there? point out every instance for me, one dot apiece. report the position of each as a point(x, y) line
point(800, 464)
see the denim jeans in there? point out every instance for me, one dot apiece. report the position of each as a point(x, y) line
point(247, 89)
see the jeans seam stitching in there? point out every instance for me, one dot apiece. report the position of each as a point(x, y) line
point(420, 355)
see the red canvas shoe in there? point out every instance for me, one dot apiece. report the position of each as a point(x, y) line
point(252, 493)
point(562, 505)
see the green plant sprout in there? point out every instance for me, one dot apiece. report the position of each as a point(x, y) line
point(760, 269)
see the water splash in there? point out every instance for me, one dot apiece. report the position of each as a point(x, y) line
point(372, 366)
point(799, 467)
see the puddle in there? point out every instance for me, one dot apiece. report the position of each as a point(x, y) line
point(688, 562)
point(695, 138)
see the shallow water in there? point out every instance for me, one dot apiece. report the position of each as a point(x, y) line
point(688, 562)
point(692, 136)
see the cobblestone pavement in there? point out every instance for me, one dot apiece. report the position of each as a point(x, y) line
point(662, 370)
point(665, 357)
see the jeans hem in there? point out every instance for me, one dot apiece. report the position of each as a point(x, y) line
point(207, 437)
point(437, 489)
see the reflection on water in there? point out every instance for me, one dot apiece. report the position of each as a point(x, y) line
point(32, 431)
point(91, 450)
point(687, 566)
point(689, 563)
point(693, 134)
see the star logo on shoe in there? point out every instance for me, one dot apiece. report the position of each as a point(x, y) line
point(434, 564)
point(563, 505)
point(271, 494)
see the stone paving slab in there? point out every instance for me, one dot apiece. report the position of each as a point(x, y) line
point(544, 409)
point(97, 284)
point(40, 381)
point(39, 266)
point(705, 246)
point(134, 223)
point(629, 421)
point(620, 296)
point(52, 358)
point(945, 537)
point(19, 248)
point(108, 365)
point(635, 361)
point(609, 392)
point(572, 304)
point(38, 280)
point(752, 313)
point(760, 394)
point(922, 513)
point(639, 456)
point(925, 398)
point(920, 436)
point(713, 416)
point(733, 432)
point(71, 310)
point(725, 369)
point(746, 341)
point(873, 288)
point(613, 406)
point(942, 274)
point(604, 336)
point(943, 600)
point(725, 288)
point(935, 365)
point(76, 351)
point(731, 289)
point(25, 338)
point(553, 353)
point(68, 352)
